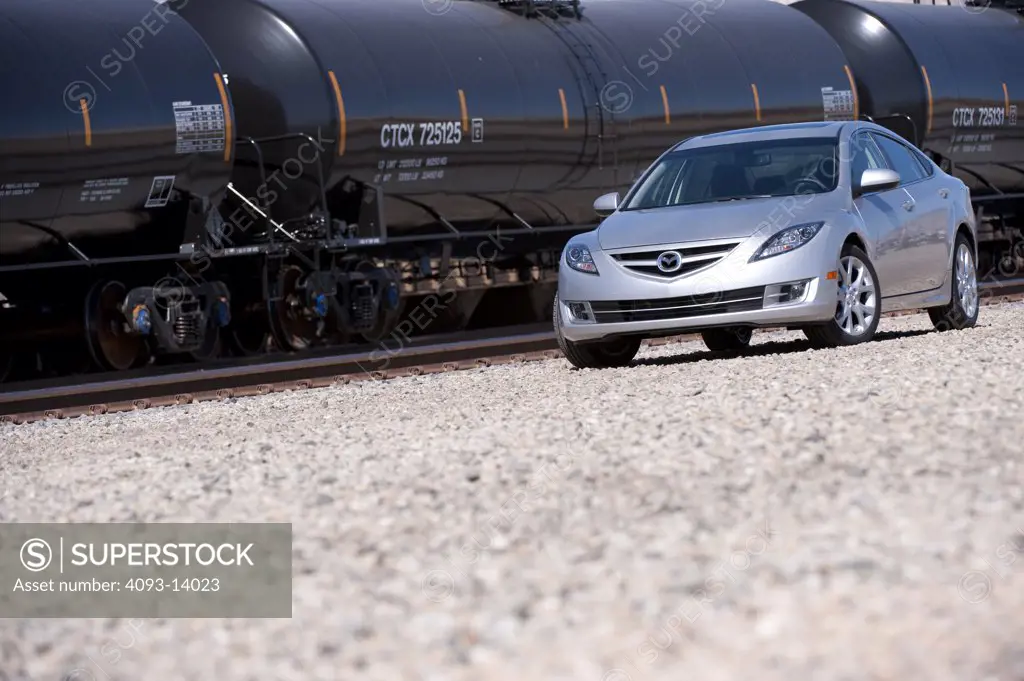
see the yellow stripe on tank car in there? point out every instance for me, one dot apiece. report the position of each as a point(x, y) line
point(1006, 99)
point(465, 111)
point(342, 118)
point(757, 101)
point(664, 104)
point(853, 91)
point(565, 109)
point(86, 121)
point(931, 102)
point(228, 127)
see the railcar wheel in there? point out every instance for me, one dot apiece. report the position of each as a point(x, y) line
point(111, 345)
point(294, 328)
point(250, 332)
point(212, 344)
point(392, 307)
point(385, 324)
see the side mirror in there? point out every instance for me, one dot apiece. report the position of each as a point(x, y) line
point(877, 180)
point(607, 204)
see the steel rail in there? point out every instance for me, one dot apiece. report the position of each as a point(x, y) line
point(68, 400)
point(239, 380)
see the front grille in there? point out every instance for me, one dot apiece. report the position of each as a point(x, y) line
point(692, 258)
point(655, 309)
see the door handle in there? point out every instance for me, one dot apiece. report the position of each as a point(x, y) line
point(908, 205)
point(943, 193)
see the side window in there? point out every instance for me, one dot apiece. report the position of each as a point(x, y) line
point(865, 156)
point(900, 159)
point(926, 164)
point(859, 163)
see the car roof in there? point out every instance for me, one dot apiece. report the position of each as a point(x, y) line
point(810, 129)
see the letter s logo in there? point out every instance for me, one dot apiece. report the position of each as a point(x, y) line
point(36, 555)
point(77, 92)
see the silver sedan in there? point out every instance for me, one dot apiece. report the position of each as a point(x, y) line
point(817, 226)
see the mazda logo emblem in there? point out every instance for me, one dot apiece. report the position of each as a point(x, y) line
point(670, 261)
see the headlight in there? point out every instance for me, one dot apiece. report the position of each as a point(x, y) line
point(788, 240)
point(578, 257)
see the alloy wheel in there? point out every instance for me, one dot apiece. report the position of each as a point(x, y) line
point(966, 281)
point(857, 302)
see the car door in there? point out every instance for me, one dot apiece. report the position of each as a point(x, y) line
point(936, 191)
point(880, 212)
point(924, 250)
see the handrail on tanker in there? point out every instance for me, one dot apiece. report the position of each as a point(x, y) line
point(913, 126)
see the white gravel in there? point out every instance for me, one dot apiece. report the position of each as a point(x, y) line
point(792, 514)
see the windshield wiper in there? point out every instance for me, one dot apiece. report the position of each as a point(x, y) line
point(742, 198)
point(699, 203)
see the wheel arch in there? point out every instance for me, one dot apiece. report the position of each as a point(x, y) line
point(965, 229)
point(960, 227)
point(855, 239)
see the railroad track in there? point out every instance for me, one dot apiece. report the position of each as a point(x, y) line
point(35, 401)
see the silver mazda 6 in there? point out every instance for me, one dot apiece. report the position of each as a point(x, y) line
point(813, 226)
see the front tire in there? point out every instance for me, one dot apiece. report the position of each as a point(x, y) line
point(962, 310)
point(598, 355)
point(725, 340)
point(858, 304)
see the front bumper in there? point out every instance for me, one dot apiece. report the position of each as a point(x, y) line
point(732, 292)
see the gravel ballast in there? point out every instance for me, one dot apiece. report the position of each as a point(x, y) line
point(839, 514)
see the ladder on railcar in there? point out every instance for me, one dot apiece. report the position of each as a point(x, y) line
point(607, 124)
point(594, 75)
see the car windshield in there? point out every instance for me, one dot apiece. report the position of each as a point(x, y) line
point(738, 171)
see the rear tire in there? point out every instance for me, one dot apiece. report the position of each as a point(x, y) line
point(858, 307)
point(963, 308)
point(730, 339)
point(598, 355)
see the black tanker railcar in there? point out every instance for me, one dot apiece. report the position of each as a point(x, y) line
point(945, 77)
point(178, 174)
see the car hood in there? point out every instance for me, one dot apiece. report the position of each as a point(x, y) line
point(703, 222)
